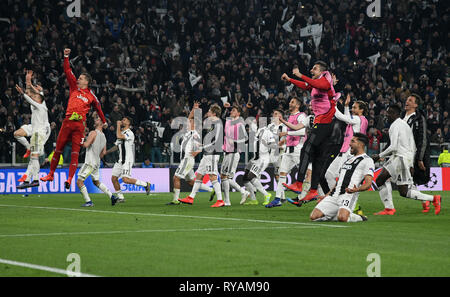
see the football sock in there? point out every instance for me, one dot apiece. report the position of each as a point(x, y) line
point(176, 194)
point(353, 218)
point(205, 188)
point(55, 161)
point(280, 187)
point(140, 183)
point(85, 194)
point(323, 219)
point(226, 189)
point(120, 194)
point(217, 189)
point(257, 183)
point(73, 164)
point(386, 195)
point(105, 189)
point(195, 188)
point(305, 189)
point(415, 194)
point(250, 189)
point(23, 141)
point(35, 168)
point(235, 185)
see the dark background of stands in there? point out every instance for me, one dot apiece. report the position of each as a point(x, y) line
point(141, 55)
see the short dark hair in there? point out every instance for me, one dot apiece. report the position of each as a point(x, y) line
point(238, 108)
point(363, 138)
point(395, 108)
point(322, 64)
point(279, 110)
point(130, 119)
point(300, 102)
point(417, 98)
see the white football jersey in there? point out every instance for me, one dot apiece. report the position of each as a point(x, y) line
point(93, 151)
point(190, 142)
point(402, 141)
point(126, 147)
point(39, 114)
point(276, 130)
point(263, 140)
point(353, 171)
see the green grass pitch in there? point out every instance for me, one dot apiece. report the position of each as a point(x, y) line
point(145, 237)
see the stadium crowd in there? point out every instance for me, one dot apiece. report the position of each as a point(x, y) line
point(152, 59)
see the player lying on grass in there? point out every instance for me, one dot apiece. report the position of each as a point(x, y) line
point(95, 146)
point(338, 205)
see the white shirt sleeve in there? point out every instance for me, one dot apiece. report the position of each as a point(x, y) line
point(393, 136)
point(349, 119)
point(31, 101)
point(369, 167)
point(301, 119)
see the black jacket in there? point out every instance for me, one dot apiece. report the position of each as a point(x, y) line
point(418, 124)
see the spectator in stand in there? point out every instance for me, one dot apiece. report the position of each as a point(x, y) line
point(147, 163)
point(237, 49)
point(374, 141)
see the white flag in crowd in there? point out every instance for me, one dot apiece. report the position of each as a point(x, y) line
point(313, 30)
point(374, 58)
point(194, 79)
point(287, 25)
point(284, 14)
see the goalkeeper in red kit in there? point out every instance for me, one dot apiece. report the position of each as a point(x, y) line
point(73, 127)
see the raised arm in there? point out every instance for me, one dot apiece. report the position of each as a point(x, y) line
point(71, 79)
point(119, 134)
point(98, 108)
point(321, 83)
point(348, 119)
point(27, 98)
point(298, 83)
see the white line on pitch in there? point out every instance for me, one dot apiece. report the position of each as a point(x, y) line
point(153, 230)
point(40, 267)
point(173, 215)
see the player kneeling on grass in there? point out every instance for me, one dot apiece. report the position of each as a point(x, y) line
point(339, 203)
point(95, 146)
point(122, 168)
